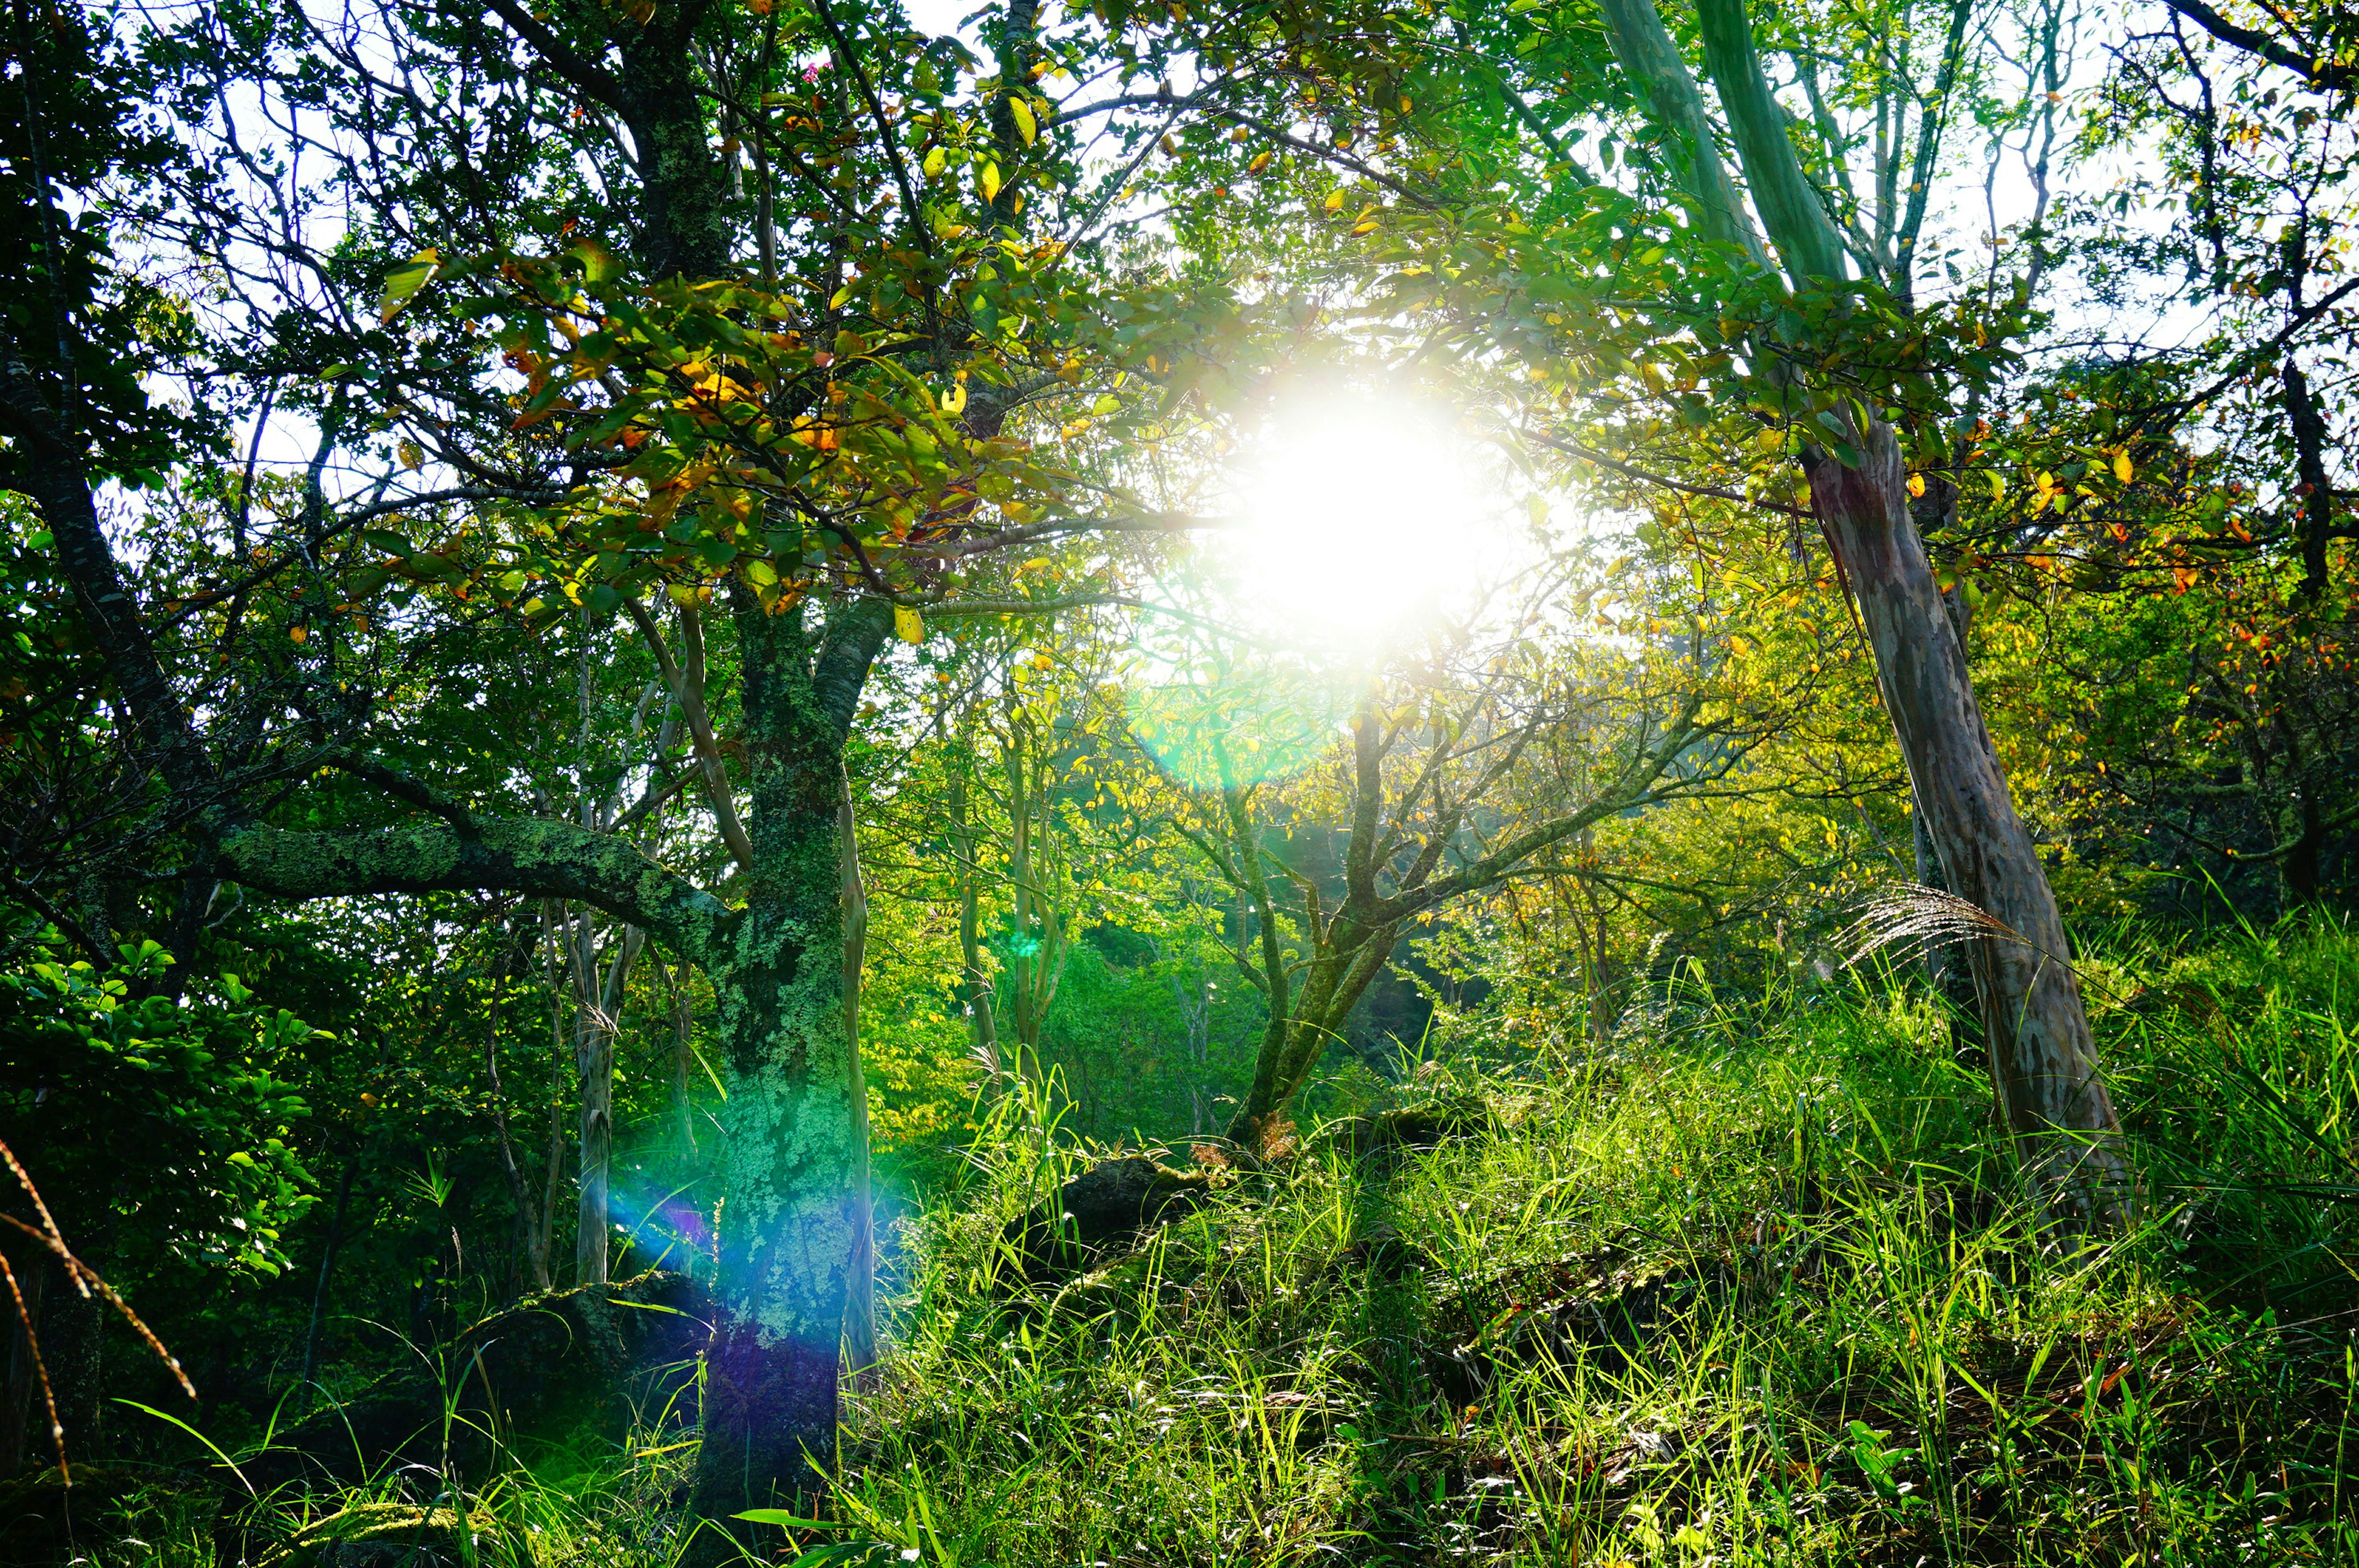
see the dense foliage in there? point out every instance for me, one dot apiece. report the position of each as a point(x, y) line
point(773, 644)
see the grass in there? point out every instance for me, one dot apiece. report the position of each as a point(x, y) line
point(1755, 1286)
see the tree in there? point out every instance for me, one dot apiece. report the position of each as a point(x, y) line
point(771, 395)
point(1786, 307)
point(1472, 756)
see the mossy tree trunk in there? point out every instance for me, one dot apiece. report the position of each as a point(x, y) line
point(793, 1229)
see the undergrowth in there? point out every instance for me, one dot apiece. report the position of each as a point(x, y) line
point(1753, 1285)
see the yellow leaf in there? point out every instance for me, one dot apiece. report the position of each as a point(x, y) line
point(1025, 126)
point(909, 624)
point(954, 400)
point(1260, 162)
point(410, 456)
point(936, 161)
point(1335, 200)
point(990, 182)
point(2122, 469)
point(404, 282)
point(1916, 485)
point(1998, 486)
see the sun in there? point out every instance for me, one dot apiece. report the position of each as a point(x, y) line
point(1358, 520)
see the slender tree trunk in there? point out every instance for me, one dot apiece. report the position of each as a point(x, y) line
point(859, 1308)
point(597, 1021)
point(524, 1231)
point(791, 1236)
point(2043, 1058)
point(25, 1424)
point(1026, 957)
point(319, 1286)
point(2316, 492)
point(974, 980)
point(683, 1051)
point(1592, 943)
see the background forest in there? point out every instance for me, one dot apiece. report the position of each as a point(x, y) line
point(1224, 782)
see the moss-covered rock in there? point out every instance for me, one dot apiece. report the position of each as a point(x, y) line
point(1426, 1125)
point(1102, 1211)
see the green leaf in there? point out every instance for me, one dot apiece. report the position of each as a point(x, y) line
point(402, 284)
point(782, 1519)
point(598, 264)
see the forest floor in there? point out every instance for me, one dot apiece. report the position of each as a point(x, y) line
point(1756, 1284)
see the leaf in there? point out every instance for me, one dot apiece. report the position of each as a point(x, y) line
point(936, 161)
point(598, 265)
point(1916, 485)
point(990, 182)
point(1998, 486)
point(1335, 200)
point(402, 284)
point(783, 1519)
point(907, 624)
point(1025, 126)
point(1260, 162)
point(2122, 469)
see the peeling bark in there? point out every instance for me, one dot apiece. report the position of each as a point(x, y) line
point(2043, 1057)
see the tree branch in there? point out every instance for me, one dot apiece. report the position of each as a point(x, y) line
point(538, 857)
point(2325, 75)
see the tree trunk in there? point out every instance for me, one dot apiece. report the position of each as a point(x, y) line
point(597, 1020)
point(2317, 493)
point(24, 1424)
point(683, 1051)
point(2043, 1059)
point(791, 1232)
point(975, 981)
point(860, 1309)
point(326, 1267)
point(1029, 955)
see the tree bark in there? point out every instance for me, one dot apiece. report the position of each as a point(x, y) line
point(597, 1020)
point(326, 1267)
point(2043, 1058)
point(2314, 487)
point(683, 1051)
point(860, 1309)
point(790, 1237)
point(974, 980)
point(25, 1422)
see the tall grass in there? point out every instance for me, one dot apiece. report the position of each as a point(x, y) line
point(1755, 1285)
